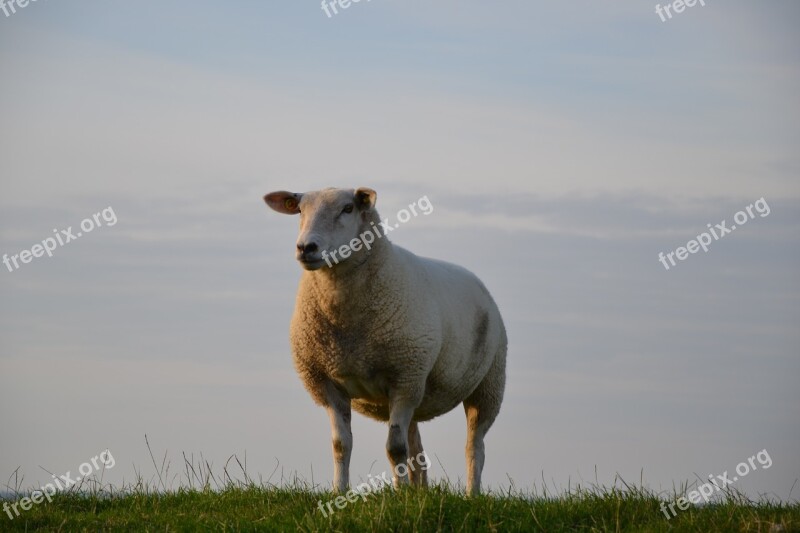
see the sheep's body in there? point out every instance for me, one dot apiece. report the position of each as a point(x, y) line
point(397, 337)
point(427, 327)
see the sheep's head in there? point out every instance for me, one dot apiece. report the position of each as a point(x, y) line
point(329, 220)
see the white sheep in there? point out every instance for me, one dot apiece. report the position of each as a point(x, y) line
point(397, 337)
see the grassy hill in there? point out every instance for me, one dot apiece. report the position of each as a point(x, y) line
point(231, 500)
point(440, 508)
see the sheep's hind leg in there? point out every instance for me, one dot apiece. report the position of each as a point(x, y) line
point(417, 458)
point(338, 407)
point(481, 408)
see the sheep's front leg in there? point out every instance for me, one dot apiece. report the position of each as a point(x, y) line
point(342, 438)
point(417, 457)
point(402, 411)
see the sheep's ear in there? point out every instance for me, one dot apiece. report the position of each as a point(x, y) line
point(284, 202)
point(365, 198)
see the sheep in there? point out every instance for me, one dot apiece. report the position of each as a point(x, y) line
point(394, 336)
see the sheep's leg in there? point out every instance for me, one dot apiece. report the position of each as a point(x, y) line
point(477, 426)
point(338, 407)
point(481, 408)
point(417, 457)
point(397, 443)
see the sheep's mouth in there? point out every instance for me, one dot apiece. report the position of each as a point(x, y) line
point(309, 263)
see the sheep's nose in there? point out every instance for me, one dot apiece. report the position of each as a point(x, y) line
point(307, 248)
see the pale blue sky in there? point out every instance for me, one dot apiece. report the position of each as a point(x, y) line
point(562, 144)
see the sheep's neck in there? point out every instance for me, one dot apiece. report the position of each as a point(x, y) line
point(345, 294)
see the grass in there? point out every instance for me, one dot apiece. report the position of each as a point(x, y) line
point(221, 503)
point(436, 509)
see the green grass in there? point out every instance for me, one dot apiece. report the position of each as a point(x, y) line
point(439, 508)
point(222, 501)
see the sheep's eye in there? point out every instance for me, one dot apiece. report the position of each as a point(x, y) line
point(348, 208)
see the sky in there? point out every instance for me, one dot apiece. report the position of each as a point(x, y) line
point(563, 146)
